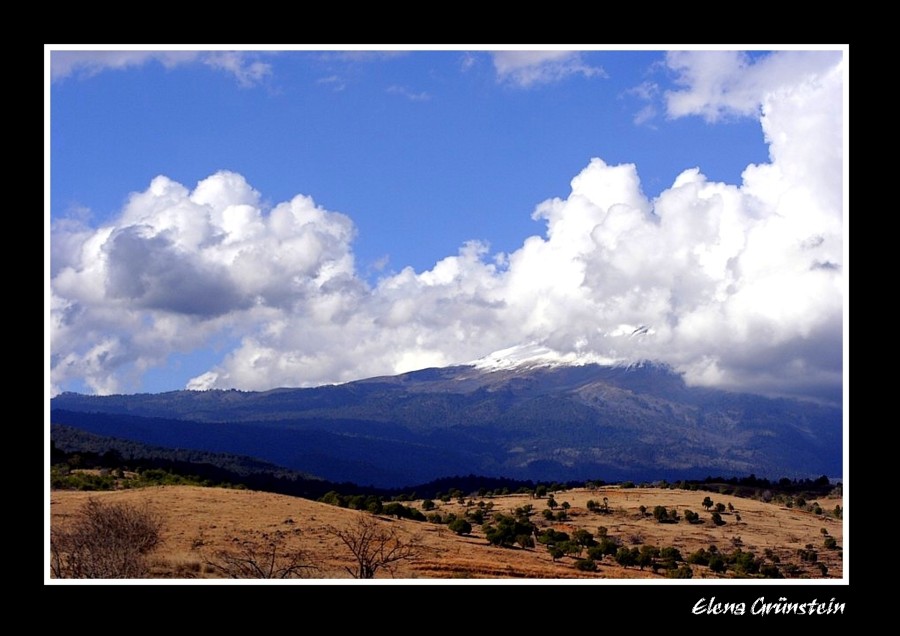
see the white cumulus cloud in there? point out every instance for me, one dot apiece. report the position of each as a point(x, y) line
point(719, 83)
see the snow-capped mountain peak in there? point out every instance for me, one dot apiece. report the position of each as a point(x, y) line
point(537, 355)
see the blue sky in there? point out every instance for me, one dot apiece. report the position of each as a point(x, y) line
point(255, 219)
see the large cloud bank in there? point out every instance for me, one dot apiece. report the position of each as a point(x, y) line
point(736, 285)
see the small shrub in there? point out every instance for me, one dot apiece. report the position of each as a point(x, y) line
point(790, 569)
point(770, 571)
point(683, 571)
point(106, 541)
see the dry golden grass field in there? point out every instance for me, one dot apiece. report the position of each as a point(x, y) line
point(200, 523)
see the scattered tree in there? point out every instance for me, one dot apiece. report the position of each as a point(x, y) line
point(583, 537)
point(608, 545)
point(476, 515)
point(571, 548)
point(707, 503)
point(506, 530)
point(265, 559)
point(374, 545)
point(646, 556)
point(525, 541)
point(595, 553)
point(460, 526)
point(551, 537)
point(670, 555)
point(626, 557)
point(700, 557)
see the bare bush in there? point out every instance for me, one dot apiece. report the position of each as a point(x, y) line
point(375, 545)
point(105, 541)
point(264, 559)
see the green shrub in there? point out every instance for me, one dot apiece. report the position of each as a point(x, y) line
point(460, 526)
point(683, 571)
point(717, 563)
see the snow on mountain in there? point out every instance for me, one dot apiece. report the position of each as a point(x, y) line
point(534, 355)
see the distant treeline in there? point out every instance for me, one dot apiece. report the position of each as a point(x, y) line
point(77, 449)
point(73, 448)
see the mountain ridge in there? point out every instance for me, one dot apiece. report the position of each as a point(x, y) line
point(540, 422)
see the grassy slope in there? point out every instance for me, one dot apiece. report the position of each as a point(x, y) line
point(200, 521)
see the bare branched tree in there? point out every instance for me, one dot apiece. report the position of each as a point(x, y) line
point(375, 545)
point(264, 559)
point(105, 541)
